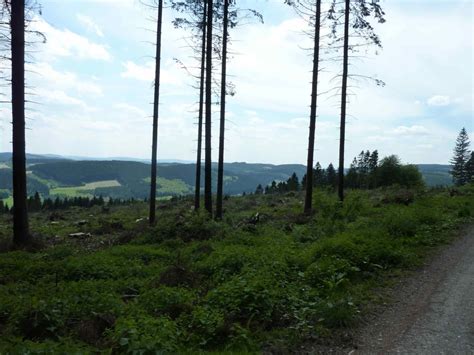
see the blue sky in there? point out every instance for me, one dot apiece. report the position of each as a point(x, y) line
point(93, 81)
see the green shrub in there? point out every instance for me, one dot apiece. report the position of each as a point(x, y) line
point(401, 223)
point(142, 334)
point(167, 301)
point(247, 297)
point(27, 347)
point(205, 327)
point(340, 312)
point(191, 284)
point(327, 268)
point(187, 227)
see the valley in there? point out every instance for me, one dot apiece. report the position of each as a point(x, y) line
point(55, 176)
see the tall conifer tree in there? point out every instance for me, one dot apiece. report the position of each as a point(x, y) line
point(460, 159)
point(156, 103)
point(21, 234)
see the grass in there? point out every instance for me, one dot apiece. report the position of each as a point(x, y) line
point(50, 183)
point(189, 284)
point(86, 190)
point(171, 187)
point(8, 201)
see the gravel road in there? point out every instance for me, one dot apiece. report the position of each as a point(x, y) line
point(433, 311)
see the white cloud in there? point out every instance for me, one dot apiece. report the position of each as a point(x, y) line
point(132, 112)
point(63, 79)
point(170, 73)
point(138, 72)
point(60, 97)
point(90, 25)
point(268, 118)
point(412, 130)
point(439, 100)
point(64, 43)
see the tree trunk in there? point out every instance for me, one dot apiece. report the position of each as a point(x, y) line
point(197, 195)
point(208, 123)
point(220, 170)
point(156, 103)
point(344, 102)
point(314, 100)
point(21, 234)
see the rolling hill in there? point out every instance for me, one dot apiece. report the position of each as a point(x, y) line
point(59, 176)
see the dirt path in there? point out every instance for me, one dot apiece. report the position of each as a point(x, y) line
point(433, 311)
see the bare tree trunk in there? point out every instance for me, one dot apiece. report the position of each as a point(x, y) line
point(344, 102)
point(197, 195)
point(20, 213)
point(314, 100)
point(152, 216)
point(208, 149)
point(220, 170)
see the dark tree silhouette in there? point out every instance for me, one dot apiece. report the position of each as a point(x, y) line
point(470, 168)
point(21, 234)
point(308, 205)
point(208, 121)
point(460, 159)
point(223, 14)
point(195, 19)
point(355, 14)
point(331, 176)
point(312, 10)
point(345, 69)
point(152, 215)
point(197, 191)
point(220, 169)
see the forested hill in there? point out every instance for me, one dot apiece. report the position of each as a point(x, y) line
point(436, 174)
point(56, 175)
point(126, 179)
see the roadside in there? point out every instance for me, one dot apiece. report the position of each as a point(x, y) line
point(433, 310)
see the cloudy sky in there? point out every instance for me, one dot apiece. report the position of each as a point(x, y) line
point(92, 85)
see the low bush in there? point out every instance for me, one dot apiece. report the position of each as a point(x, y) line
point(266, 277)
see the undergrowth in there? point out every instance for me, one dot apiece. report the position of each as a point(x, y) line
point(265, 277)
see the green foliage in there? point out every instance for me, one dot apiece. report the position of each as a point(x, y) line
point(140, 334)
point(187, 226)
point(167, 301)
point(401, 223)
point(391, 172)
point(462, 167)
point(265, 275)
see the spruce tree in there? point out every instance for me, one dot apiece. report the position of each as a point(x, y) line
point(357, 33)
point(460, 159)
point(352, 176)
point(208, 110)
point(152, 212)
point(470, 168)
point(331, 176)
point(293, 183)
point(319, 175)
point(220, 169)
point(197, 191)
point(373, 165)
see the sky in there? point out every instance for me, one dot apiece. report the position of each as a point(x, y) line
point(91, 85)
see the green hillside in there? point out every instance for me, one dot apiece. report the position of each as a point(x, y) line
point(57, 176)
point(436, 174)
